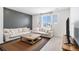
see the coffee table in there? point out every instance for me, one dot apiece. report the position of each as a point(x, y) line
point(31, 38)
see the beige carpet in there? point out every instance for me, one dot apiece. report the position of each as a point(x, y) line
point(55, 44)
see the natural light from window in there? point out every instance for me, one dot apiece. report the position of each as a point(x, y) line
point(48, 21)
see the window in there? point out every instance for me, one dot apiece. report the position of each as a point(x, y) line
point(48, 21)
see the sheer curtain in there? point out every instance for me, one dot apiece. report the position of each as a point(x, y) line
point(46, 21)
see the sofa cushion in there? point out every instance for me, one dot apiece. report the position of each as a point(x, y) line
point(6, 31)
point(15, 32)
point(19, 30)
point(25, 29)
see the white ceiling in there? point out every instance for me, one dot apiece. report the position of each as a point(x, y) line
point(34, 10)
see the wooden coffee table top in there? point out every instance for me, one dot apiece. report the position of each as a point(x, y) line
point(31, 36)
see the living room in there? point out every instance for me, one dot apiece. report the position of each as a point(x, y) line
point(34, 28)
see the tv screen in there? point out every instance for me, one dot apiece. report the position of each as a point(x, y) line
point(67, 30)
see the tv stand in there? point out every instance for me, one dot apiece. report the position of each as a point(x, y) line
point(70, 47)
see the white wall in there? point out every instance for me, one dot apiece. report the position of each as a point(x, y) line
point(74, 15)
point(60, 27)
point(35, 21)
point(1, 25)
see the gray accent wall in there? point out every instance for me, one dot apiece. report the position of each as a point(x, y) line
point(15, 19)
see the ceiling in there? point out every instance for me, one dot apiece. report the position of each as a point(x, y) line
point(34, 10)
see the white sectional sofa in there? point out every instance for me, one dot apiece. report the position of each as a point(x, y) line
point(45, 32)
point(11, 34)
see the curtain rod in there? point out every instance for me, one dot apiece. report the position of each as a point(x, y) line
point(44, 13)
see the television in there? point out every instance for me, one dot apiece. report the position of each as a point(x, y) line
point(68, 30)
point(76, 32)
